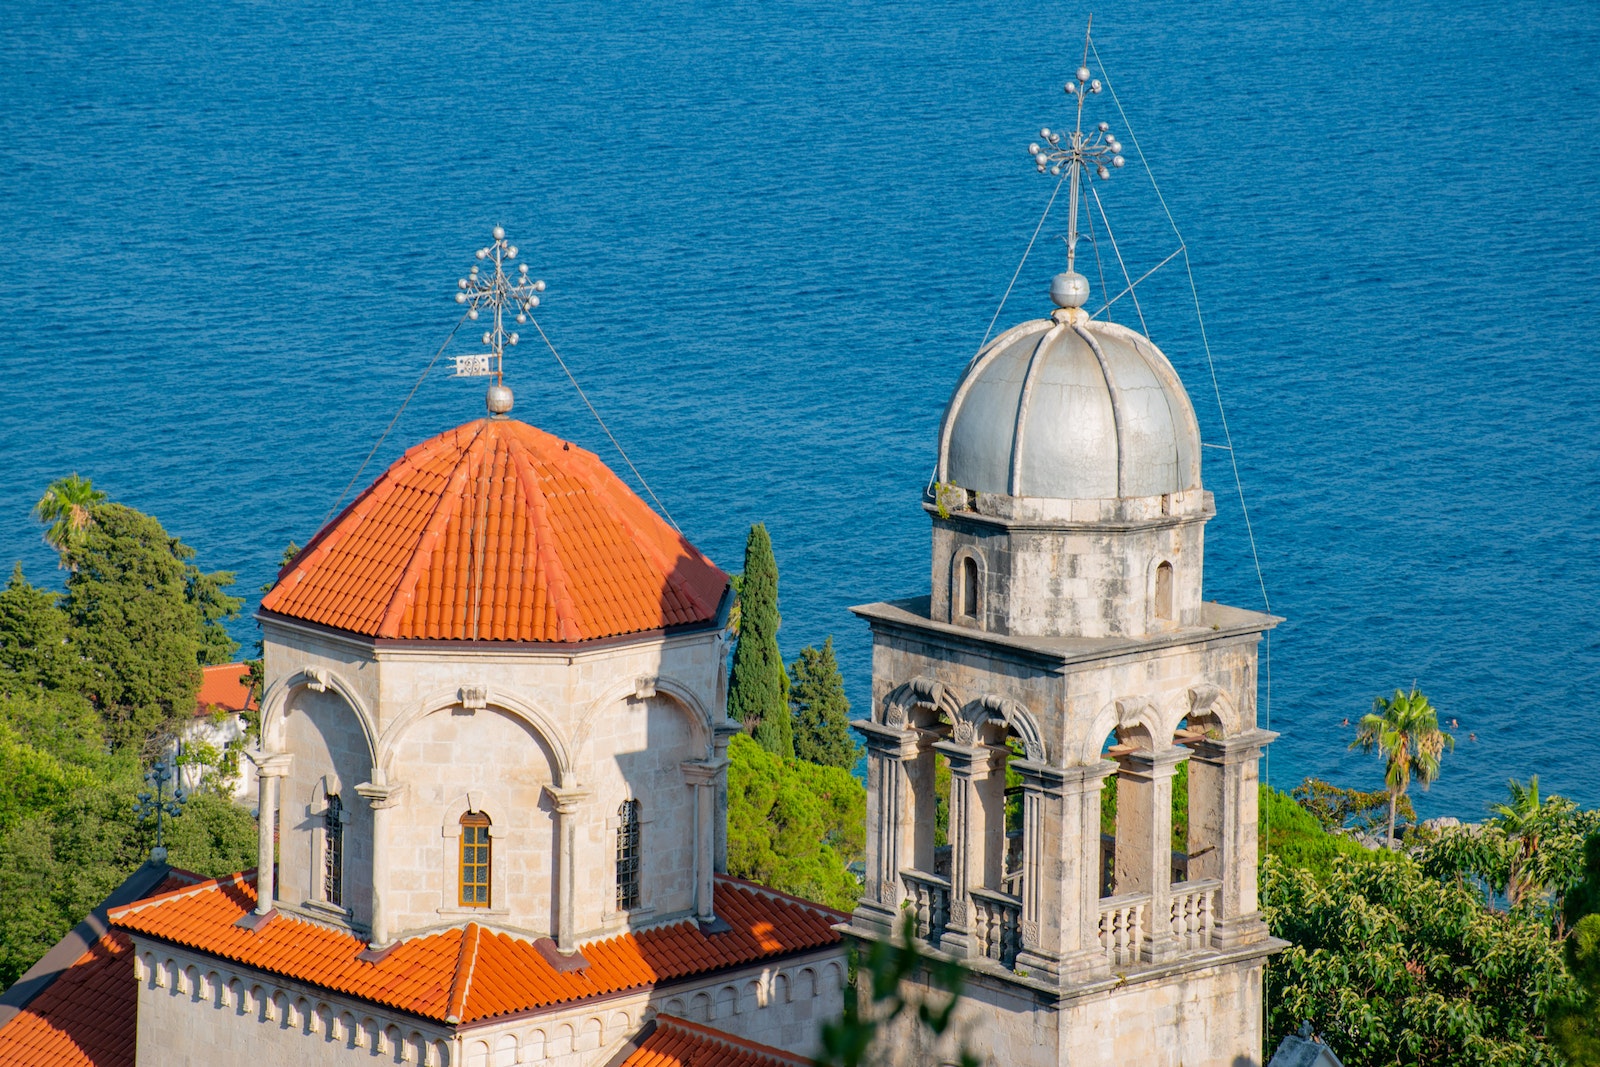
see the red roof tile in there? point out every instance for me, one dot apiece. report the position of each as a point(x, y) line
point(498, 531)
point(226, 686)
point(85, 1016)
point(679, 1043)
point(473, 973)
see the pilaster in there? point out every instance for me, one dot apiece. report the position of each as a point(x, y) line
point(566, 803)
point(380, 797)
point(1144, 839)
point(890, 824)
point(270, 766)
point(1224, 784)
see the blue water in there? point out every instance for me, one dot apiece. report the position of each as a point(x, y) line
point(774, 233)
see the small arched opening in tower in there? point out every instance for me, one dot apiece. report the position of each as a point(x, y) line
point(1163, 592)
point(967, 588)
point(475, 860)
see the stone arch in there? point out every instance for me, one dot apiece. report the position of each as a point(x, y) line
point(620, 1025)
point(349, 1033)
point(780, 988)
point(805, 984)
point(438, 1054)
point(1208, 704)
point(534, 1046)
point(478, 1054)
point(674, 1007)
point(539, 723)
point(589, 1035)
point(1161, 591)
point(1134, 717)
point(833, 974)
point(921, 693)
point(275, 702)
point(751, 998)
point(727, 1002)
point(700, 1008)
point(506, 1047)
point(645, 686)
point(987, 709)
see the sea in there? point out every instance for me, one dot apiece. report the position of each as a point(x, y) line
point(774, 233)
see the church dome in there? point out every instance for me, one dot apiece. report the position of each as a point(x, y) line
point(1070, 408)
point(497, 531)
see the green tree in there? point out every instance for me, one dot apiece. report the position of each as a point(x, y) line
point(1405, 731)
point(821, 710)
point(67, 509)
point(36, 650)
point(758, 682)
point(1337, 808)
point(1575, 1025)
point(794, 826)
point(1392, 966)
point(145, 620)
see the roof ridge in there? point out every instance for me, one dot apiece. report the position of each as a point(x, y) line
point(132, 907)
point(544, 540)
point(461, 983)
point(646, 542)
point(405, 589)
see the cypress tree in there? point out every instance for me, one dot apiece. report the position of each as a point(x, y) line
point(821, 710)
point(758, 683)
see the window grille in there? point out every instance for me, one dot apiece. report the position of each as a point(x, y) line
point(333, 852)
point(628, 856)
point(474, 860)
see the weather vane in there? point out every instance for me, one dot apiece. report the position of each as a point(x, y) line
point(496, 292)
point(153, 804)
point(1079, 154)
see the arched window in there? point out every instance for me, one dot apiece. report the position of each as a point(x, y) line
point(474, 860)
point(628, 855)
point(1164, 591)
point(968, 608)
point(333, 851)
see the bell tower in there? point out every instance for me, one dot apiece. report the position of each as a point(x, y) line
point(1067, 673)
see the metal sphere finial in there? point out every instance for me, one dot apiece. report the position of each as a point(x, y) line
point(496, 292)
point(1069, 290)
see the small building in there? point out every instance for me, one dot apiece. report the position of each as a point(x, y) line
point(220, 724)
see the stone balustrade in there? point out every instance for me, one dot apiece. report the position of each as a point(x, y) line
point(1123, 927)
point(996, 926)
point(1194, 912)
point(929, 896)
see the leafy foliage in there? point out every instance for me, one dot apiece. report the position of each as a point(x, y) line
point(758, 683)
point(1338, 808)
point(793, 825)
point(1393, 966)
point(878, 999)
point(1296, 838)
point(1405, 732)
point(36, 650)
point(66, 509)
point(144, 620)
point(821, 710)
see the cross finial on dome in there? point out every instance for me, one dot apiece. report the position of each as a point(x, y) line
point(1080, 155)
point(495, 292)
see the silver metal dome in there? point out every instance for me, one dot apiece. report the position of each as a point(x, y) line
point(1070, 408)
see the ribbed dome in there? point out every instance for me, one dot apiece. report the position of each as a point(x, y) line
point(497, 531)
point(1085, 411)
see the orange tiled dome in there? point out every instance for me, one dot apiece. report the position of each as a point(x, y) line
point(497, 531)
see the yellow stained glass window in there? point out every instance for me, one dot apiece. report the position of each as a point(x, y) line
point(474, 860)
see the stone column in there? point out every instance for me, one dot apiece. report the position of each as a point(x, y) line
point(566, 803)
point(1061, 871)
point(890, 824)
point(270, 766)
point(380, 796)
point(971, 824)
point(723, 732)
point(1144, 839)
point(703, 776)
point(1224, 801)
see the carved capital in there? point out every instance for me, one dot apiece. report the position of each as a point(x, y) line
point(566, 801)
point(270, 764)
point(380, 796)
point(703, 772)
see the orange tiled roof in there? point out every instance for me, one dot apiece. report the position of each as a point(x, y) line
point(498, 531)
point(226, 686)
point(85, 1017)
point(678, 1043)
point(467, 974)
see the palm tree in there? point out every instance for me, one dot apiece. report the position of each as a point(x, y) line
point(66, 508)
point(1405, 731)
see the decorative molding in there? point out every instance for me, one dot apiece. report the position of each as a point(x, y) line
point(644, 686)
point(316, 679)
point(474, 697)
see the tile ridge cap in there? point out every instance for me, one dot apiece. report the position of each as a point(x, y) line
point(461, 983)
point(401, 596)
point(568, 626)
point(115, 915)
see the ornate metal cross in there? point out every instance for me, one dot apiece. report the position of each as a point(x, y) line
point(495, 292)
point(154, 804)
